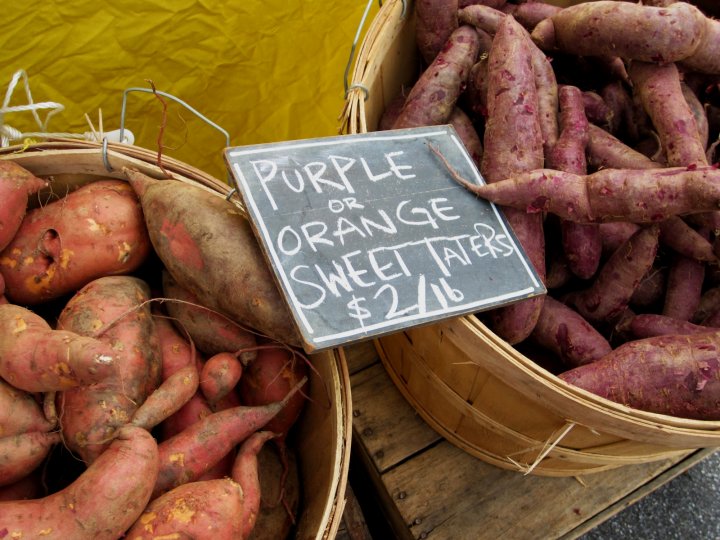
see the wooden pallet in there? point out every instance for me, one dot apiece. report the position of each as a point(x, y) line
point(424, 487)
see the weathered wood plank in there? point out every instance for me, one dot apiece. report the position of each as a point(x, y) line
point(386, 425)
point(446, 493)
point(360, 355)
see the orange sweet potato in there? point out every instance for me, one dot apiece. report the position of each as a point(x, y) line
point(219, 376)
point(271, 377)
point(177, 351)
point(202, 509)
point(95, 231)
point(36, 358)
point(28, 487)
point(192, 452)
point(211, 332)
point(101, 504)
point(16, 185)
point(245, 471)
point(168, 398)
point(117, 311)
point(209, 248)
point(22, 454)
point(20, 412)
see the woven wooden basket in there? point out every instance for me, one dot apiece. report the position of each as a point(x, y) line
point(470, 385)
point(324, 430)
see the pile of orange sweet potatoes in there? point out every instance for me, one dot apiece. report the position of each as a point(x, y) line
point(148, 376)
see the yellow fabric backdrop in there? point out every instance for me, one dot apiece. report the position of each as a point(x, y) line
point(265, 71)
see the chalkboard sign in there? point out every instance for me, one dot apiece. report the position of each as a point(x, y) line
point(370, 234)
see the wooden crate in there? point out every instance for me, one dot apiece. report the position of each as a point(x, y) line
point(424, 484)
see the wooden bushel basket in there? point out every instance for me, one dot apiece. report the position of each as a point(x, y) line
point(470, 385)
point(324, 429)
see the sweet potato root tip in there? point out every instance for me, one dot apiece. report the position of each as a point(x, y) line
point(174, 392)
point(189, 454)
point(245, 472)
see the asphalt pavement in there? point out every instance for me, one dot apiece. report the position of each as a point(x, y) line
point(686, 508)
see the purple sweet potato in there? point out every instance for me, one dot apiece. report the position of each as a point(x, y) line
point(616, 233)
point(625, 29)
point(95, 231)
point(677, 375)
point(683, 288)
point(467, 133)
point(705, 58)
point(698, 112)
point(529, 14)
point(436, 20)
point(709, 304)
point(597, 111)
point(604, 151)
point(563, 331)
point(581, 241)
point(660, 92)
point(650, 292)
point(16, 185)
point(615, 282)
point(101, 504)
point(36, 358)
point(638, 196)
point(513, 143)
point(545, 96)
point(188, 227)
point(434, 95)
point(678, 235)
point(648, 325)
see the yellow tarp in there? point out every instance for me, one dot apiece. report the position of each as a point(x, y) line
point(265, 71)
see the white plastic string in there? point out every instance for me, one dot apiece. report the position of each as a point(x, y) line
point(10, 134)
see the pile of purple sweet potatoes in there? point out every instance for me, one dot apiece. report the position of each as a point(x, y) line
point(148, 377)
point(595, 127)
